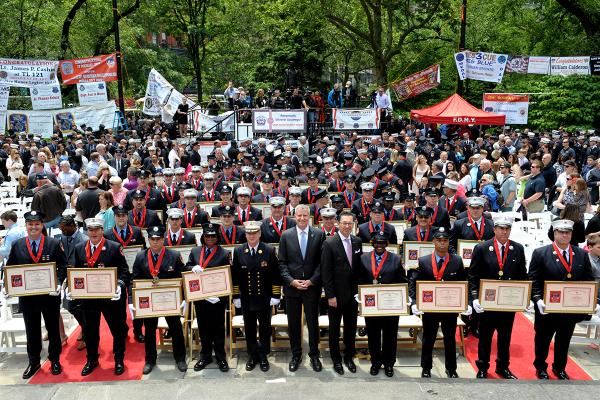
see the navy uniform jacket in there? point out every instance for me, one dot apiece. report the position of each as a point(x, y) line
point(200, 218)
point(340, 279)
point(484, 264)
point(455, 271)
point(305, 197)
point(186, 237)
point(268, 234)
point(255, 215)
point(237, 235)
point(364, 232)
point(463, 230)
point(255, 279)
point(111, 256)
point(392, 215)
point(171, 266)
point(174, 195)
point(362, 216)
point(51, 252)
point(410, 234)
point(137, 238)
point(546, 266)
point(442, 219)
point(155, 200)
point(262, 198)
point(330, 233)
point(216, 210)
point(203, 197)
point(150, 220)
point(391, 272)
point(336, 185)
point(459, 205)
point(222, 258)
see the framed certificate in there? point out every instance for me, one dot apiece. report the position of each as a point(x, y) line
point(570, 297)
point(149, 283)
point(212, 282)
point(499, 295)
point(413, 251)
point(442, 297)
point(382, 300)
point(92, 283)
point(158, 301)
point(464, 249)
point(130, 252)
point(392, 248)
point(30, 279)
point(183, 250)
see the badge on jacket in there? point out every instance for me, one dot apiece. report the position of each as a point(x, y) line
point(264, 264)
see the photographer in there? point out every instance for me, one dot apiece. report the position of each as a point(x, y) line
point(213, 106)
point(334, 99)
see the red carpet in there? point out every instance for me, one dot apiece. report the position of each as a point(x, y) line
point(522, 353)
point(73, 360)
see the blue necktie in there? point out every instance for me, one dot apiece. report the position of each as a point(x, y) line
point(34, 248)
point(303, 243)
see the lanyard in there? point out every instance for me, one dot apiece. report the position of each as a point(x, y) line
point(498, 254)
point(154, 268)
point(419, 238)
point(439, 274)
point(224, 235)
point(92, 258)
point(142, 220)
point(189, 223)
point(375, 270)
point(434, 216)
point(204, 263)
point(478, 235)
point(283, 226)
point(372, 228)
point(129, 235)
point(568, 266)
point(178, 238)
point(37, 257)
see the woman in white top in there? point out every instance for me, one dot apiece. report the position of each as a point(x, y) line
point(465, 177)
point(14, 165)
point(420, 169)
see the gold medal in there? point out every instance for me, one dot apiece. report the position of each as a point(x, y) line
point(500, 273)
point(374, 281)
point(155, 280)
point(569, 276)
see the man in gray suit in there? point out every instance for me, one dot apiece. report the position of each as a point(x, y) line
point(300, 267)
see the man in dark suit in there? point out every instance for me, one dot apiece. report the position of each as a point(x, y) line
point(141, 216)
point(120, 164)
point(169, 191)
point(98, 252)
point(439, 266)
point(153, 196)
point(32, 249)
point(193, 215)
point(175, 234)
point(440, 217)
point(423, 231)
point(244, 212)
point(362, 206)
point(226, 200)
point(300, 266)
point(450, 201)
point(501, 259)
point(339, 263)
point(273, 227)
point(376, 224)
point(229, 233)
point(558, 261)
point(475, 226)
point(403, 170)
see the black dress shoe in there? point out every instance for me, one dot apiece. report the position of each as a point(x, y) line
point(316, 365)
point(337, 367)
point(30, 370)
point(389, 371)
point(119, 367)
point(223, 366)
point(201, 364)
point(140, 338)
point(264, 364)
point(250, 364)
point(426, 373)
point(505, 373)
point(148, 367)
point(167, 334)
point(89, 367)
point(55, 368)
point(181, 366)
point(451, 374)
point(362, 332)
point(294, 364)
point(350, 365)
point(374, 370)
point(542, 374)
point(562, 375)
point(481, 374)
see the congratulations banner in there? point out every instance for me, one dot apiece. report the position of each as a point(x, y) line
point(345, 119)
point(515, 107)
point(417, 83)
point(90, 69)
point(487, 67)
point(566, 66)
point(91, 93)
point(46, 97)
point(27, 73)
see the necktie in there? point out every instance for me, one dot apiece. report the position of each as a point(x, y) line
point(169, 191)
point(502, 256)
point(190, 216)
point(268, 197)
point(348, 247)
point(252, 252)
point(123, 236)
point(207, 252)
point(303, 243)
point(173, 238)
point(243, 215)
point(34, 248)
point(154, 257)
point(377, 228)
point(423, 234)
point(440, 264)
point(279, 225)
point(118, 165)
point(292, 211)
point(93, 249)
point(139, 215)
point(565, 255)
point(378, 258)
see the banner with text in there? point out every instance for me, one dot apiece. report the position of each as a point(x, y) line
point(157, 89)
point(91, 93)
point(28, 73)
point(515, 107)
point(4, 92)
point(595, 65)
point(487, 67)
point(565, 66)
point(345, 119)
point(90, 69)
point(46, 97)
point(528, 65)
point(278, 121)
point(417, 83)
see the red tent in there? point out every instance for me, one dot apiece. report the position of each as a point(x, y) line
point(456, 110)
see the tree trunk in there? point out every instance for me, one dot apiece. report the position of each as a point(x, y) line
point(381, 70)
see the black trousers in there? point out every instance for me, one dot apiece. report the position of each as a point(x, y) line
point(382, 335)
point(111, 310)
point(33, 331)
point(174, 323)
point(255, 349)
point(349, 313)
point(431, 322)
point(560, 327)
point(490, 321)
point(311, 313)
point(211, 327)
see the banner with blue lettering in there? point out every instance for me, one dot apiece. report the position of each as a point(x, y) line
point(487, 67)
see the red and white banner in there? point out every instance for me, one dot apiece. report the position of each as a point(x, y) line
point(346, 119)
point(417, 83)
point(515, 107)
point(27, 73)
point(90, 69)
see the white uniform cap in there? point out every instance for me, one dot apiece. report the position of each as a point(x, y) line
point(328, 212)
point(209, 175)
point(327, 160)
point(450, 184)
point(179, 171)
point(175, 212)
point(503, 220)
point(190, 193)
point(94, 223)
point(476, 201)
point(246, 168)
point(252, 226)
point(196, 168)
point(295, 190)
point(277, 201)
point(204, 164)
point(563, 225)
point(367, 186)
point(362, 151)
point(242, 190)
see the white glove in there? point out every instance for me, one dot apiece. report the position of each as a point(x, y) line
point(541, 306)
point(237, 303)
point(213, 300)
point(274, 302)
point(183, 307)
point(56, 292)
point(468, 312)
point(5, 293)
point(197, 269)
point(131, 308)
point(68, 294)
point(477, 307)
point(530, 309)
point(415, 310)
point(597, 310)
point(117, 295)
point(356, 298)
